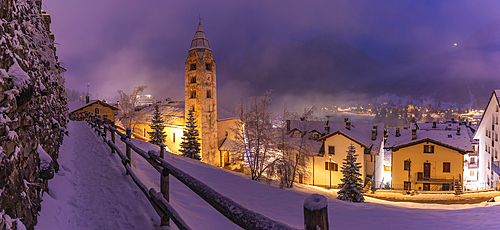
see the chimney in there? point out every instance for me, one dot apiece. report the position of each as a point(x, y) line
point(374, 134)
point(458, 130)
point(397, 132)
point(434, 124)
point(348, 125)
point(375, 127)
point(346, 119)
point(452, 120)
point(87, 99)
point(413, 134)
point(327, 129)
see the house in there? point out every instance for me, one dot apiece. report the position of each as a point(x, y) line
point(98, 108)
point(428, 156)
point(488, 145)
point(334, 138)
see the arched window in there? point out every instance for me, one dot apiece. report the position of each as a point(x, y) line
point(193, 93)
point(208, 66)
point(209, 93)
point(193, 79)
point(96, 111)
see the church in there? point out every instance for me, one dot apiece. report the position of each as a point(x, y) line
point(215, 125)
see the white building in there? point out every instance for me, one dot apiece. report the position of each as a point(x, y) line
point(488, 146)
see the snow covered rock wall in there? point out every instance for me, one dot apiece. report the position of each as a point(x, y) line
point(33, 110)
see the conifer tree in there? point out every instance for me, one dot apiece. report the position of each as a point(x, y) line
point(157, 136)
point(190, 146)
point(351, 187)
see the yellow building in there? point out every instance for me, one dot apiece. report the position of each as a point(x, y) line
point(428, 159)
point(97, 108)
point(324, 166)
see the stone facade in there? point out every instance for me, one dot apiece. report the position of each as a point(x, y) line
point(33, 109)
point(201, 94)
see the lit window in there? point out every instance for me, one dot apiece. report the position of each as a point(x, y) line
point(471, 172)
point(428, 148)
point(446, 166)
point(333, 166)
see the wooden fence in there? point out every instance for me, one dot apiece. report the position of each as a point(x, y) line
point(235, 212)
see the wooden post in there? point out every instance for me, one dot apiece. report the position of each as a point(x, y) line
point(112, 132)
point(162, 150)
point(164, 188)
point(128, 132)
point(316, 212)
point(104, 129)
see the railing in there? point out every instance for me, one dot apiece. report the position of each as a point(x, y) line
point(235, 212)
point(421, 177)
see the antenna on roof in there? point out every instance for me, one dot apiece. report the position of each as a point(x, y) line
point(87, 98)
point(199, 17)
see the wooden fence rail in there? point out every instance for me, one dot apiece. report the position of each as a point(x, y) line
point(235, 212)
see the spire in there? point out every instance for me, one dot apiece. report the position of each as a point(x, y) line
point(200, 40)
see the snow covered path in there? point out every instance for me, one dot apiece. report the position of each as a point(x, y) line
point(91, 190)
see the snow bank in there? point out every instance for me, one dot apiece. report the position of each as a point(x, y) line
point(45, 159)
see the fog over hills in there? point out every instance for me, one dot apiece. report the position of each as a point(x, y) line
point(326, 70)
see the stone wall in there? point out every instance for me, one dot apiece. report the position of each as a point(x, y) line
point(33, 111)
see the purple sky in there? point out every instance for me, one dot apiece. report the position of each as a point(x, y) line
point(122, 44)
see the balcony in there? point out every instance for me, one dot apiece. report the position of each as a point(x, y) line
point(421, 177)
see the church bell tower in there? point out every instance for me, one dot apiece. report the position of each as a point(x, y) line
point(201, 94)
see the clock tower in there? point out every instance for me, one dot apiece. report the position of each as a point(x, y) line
point(201, 94)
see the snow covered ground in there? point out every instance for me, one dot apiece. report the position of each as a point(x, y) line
point(91, 191)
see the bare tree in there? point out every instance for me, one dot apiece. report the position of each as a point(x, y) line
point(127, 106)
point(295, 146)
point(258, 136)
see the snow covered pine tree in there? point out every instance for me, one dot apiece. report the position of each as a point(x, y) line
point(190, 146)
point(157, 135)
point(351, 186)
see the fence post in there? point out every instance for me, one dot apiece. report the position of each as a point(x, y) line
point(162, 150)
point(112, 132)
point(129, 135)
point(316, 212)
point(164, 188)
point(104, 127)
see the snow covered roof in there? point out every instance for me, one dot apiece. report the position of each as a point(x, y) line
point(200, 40)
point(496, 94)
point(223, 115)
point(439, 126)
point(172, 112)
point(96, 102)
point(446, 138)
point(229, 144)
point(358, 132)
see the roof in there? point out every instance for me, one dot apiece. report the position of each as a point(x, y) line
point(223, 115)
point(496, 94)
point(200, 40)
point(359, 132)
point(229, 144)
point(445, 138)
point(172, 112)
point(96, 102)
